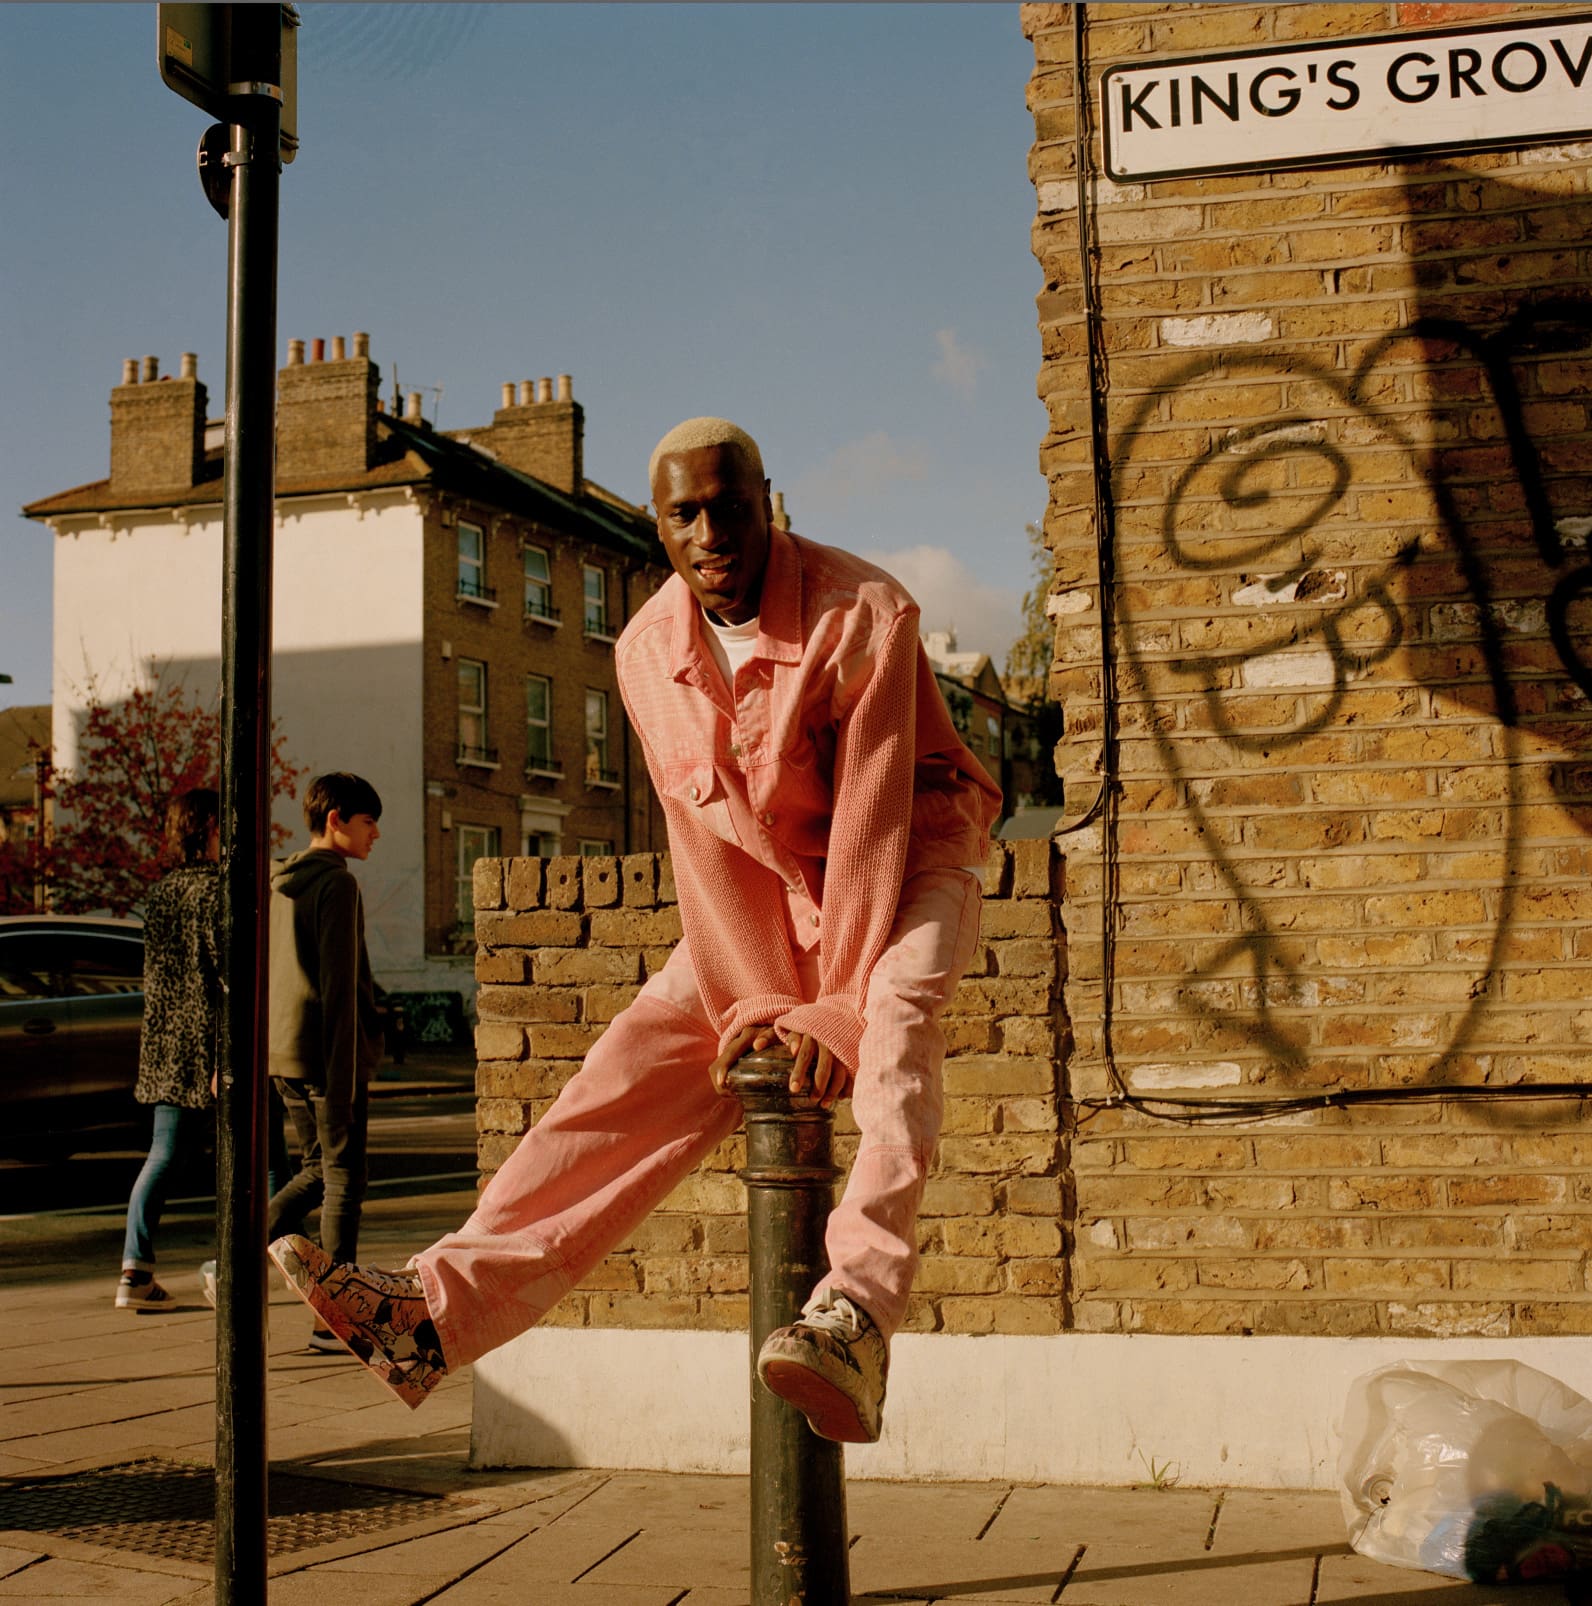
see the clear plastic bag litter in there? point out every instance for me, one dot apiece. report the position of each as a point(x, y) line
point(1475, 1469)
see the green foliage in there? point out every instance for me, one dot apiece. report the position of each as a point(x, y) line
point(1163, 1474)
point(1028, 660)
point(1027, 677)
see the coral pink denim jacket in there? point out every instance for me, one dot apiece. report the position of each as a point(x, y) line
point(800, 799)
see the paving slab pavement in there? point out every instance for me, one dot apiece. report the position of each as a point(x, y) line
point(377, 1506)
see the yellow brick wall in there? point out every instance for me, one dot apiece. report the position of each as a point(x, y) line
point(564, 944)
point(1344, 844)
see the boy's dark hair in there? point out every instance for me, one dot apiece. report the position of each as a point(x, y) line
point(189, 818)
point(348, 794)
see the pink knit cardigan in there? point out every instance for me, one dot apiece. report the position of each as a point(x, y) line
point(799, 799)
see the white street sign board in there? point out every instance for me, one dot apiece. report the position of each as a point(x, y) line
point(1349, 100)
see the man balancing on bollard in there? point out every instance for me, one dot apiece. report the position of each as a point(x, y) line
point(828, 830)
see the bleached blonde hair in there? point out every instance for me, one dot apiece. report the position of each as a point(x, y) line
point(696, 433)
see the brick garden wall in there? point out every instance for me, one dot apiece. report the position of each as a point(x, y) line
point(1329, 829)
point(564, 945)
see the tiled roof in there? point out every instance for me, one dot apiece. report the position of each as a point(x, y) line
point(406, 454)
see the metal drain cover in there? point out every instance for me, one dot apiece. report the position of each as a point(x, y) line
point(167, 1508)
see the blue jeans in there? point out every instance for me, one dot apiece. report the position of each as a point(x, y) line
point(179, 1133)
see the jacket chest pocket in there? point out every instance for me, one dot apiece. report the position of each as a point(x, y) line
point(697, 789)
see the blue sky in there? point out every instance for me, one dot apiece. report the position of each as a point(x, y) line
point(811, 218)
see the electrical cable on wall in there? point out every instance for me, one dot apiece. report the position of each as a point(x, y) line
point(1187, 1109)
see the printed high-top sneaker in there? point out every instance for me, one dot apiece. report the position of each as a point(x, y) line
point(380, 1317)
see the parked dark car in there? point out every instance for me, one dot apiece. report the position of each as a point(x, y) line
point(71, 1006)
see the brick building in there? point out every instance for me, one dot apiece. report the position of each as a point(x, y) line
point(445, 609)
point(24, 738)
point(1001, 734)
point(1273, 1065)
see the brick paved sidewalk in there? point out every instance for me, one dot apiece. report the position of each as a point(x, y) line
point(375, 1506)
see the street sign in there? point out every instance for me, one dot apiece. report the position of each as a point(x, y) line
point(1350, 99)
point(219, 55)
point(195, 54)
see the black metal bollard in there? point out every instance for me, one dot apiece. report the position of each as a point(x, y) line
point(799, 1539)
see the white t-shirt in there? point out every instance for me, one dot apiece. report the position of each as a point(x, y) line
point(731, 645)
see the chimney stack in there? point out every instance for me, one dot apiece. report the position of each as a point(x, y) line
point(157, 430)
point(781, 517)
point(326, 412)
point(541, 436)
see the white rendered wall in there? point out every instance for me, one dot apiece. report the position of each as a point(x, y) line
point(1092, 1408)
point(143, 598)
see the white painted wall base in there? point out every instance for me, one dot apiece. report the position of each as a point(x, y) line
point(1258, 1413)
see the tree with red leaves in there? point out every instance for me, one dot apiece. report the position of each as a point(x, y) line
point(107, 846)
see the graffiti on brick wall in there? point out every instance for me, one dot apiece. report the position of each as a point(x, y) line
point(1411, 564)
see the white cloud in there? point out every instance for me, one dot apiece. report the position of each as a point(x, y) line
point(861, 469)
point(986, 618)
point(957, 365)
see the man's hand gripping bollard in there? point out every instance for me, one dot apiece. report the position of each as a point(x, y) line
point(799, 1540)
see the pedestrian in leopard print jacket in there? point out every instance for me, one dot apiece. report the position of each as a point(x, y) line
point(182, 1012)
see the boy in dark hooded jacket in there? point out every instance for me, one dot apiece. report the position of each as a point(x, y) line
point(325, 1033)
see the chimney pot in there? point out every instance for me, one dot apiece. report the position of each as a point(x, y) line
point(412, 411)
point(295, 353)
point(339, 351)
point(508, 393)
point(157, 438)
point(318, 350)
point(781, 517)
point(361, 343)
point(540, 439)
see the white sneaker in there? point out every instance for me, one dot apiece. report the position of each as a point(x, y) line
point(140, 1291)
point(831, 1365)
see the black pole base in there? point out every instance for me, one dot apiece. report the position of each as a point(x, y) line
point(798, 1494)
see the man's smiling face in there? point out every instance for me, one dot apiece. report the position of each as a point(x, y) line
point(713, 519)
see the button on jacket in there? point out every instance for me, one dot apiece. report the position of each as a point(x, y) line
point(799, 799)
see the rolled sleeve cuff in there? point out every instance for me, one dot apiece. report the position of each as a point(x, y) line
point(836, 1022)
point(764, 1009)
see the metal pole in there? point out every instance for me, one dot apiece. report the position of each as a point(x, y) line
point(798, 1495)
point(241, 1454)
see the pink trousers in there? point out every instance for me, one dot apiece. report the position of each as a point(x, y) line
point(641, 1113)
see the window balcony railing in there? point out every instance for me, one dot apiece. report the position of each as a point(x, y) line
point(597, 627)
point(468, 590)
point(542, 613)
point(544, 767)
point(482, 757)
point(597, 775)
